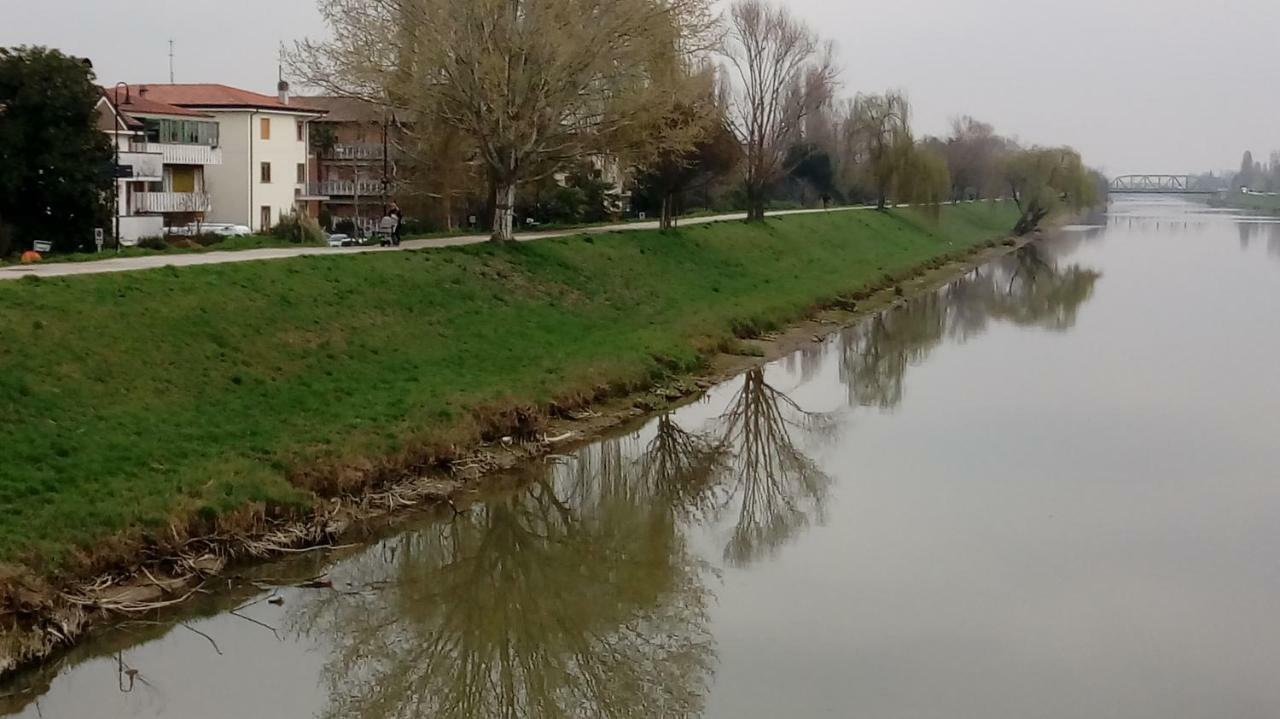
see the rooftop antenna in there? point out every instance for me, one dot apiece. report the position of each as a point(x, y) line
point(170, 62)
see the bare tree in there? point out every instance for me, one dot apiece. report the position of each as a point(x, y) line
point(974, 152)
point(779, 73)
point(532, 83)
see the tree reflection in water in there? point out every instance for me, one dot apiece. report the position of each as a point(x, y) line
point(527, 606)
point(776, 488)
point(578, 596)
point(1024, 289)
point(681, 470)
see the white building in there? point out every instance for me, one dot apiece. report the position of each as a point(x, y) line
point(163, 152)
point(263, 143)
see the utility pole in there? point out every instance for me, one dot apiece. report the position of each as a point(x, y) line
point(171, 62)
point(386, 167)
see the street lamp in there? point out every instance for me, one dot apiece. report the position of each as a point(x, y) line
point(115, 170)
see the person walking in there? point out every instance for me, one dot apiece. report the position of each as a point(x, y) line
point(395, 213)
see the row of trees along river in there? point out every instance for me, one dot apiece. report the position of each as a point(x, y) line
point(515, 107)
point(512, 110)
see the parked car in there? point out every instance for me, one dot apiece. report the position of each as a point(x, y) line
point(232, 231)
point(222, 229)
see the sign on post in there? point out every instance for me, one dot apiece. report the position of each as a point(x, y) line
point(42, 246)
point(98, 237)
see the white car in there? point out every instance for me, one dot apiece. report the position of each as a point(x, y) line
point(232, 231)
point(221, 229)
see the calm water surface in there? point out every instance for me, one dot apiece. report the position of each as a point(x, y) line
point(1049, 490)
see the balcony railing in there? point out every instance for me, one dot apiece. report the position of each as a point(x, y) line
point(350, 152)
point(171, 202)
point(182, 154)
point(347, 188)
point(146, 166)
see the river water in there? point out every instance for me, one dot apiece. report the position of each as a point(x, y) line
point(1048, 490)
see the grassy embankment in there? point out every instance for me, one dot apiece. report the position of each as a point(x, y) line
point(130, 401)
point(1257, 203)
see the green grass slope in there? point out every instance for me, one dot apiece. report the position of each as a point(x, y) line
point(128, 401)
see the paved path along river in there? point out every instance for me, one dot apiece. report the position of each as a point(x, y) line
point(150, 262)
point(1048, 490)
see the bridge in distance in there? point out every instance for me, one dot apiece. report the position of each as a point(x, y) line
point(1158, 185)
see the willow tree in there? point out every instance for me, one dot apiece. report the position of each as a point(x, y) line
point(532, 83)
point(882, 124)
point(778, 73)
point(1044, 180)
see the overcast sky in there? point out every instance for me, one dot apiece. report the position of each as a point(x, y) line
point(1136, 85)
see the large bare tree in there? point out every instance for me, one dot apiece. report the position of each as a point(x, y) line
point(778, 73)
point(532, 83)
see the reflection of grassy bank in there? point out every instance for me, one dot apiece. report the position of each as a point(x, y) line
point(1257, 203)
point(135, 399)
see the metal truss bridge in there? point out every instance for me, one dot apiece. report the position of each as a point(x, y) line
point(1157, 185)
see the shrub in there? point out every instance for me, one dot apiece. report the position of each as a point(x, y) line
point(299, 229)
point(153, 243)
point(410, 227)
point(207, 239)
point(345, 226)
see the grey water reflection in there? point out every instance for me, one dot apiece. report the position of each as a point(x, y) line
point(1026, 289)
point(590, 586)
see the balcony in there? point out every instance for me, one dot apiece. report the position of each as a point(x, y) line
point(358, 152)
point(347, 188)
point(174, 154)
point(154, 202)
point(146, 166)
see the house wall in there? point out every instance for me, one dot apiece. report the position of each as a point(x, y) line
point(228, 183)
point(236, 187)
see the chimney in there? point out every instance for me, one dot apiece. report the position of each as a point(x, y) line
point(283, 89)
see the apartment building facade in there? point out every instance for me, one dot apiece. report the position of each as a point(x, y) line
point(356, 159)
point(164, 153)
point(263, 147)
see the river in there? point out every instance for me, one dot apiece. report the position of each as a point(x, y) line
point(1049, 489)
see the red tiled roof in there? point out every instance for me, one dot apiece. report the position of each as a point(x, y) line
point(345, 109)
point(211, 96)
point(139, 100)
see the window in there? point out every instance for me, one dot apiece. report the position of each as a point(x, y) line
point(266, 173)
point(302, 172)
point(266, 128)
point(181, 132)
point(300, 130)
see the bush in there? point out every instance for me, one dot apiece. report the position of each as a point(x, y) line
point(207, 239)
point(153, 243)
point(411, 227)
point(299, 229)
point(346, 226)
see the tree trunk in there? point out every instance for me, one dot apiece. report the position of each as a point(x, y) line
point(504, 211)
point(667, 221)
point(755, 204)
